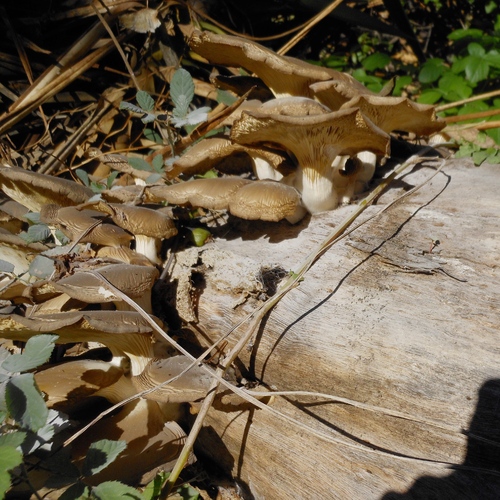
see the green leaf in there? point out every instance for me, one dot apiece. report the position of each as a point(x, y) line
point(476, 68)
point(401, 83)
point(114, 490)
point(83, 176)
point(140, 164)
point(100, 455)
point(14, 439)
point(199, 236)
point(465, 33)
point(111, 178)
point(454, 87)
point(187, 492)
point(36, 352)
point(153, 178)
point(153, 135)
point(145, 101)
point(37, 233)
point(6, 267)
point(379, 60)
point(25, 403)
point(493, 58)
point(41, 267)
point(33, 217)
point(9, 459)
point(158, 163)
point(153, 488)
point(131, 107)
point(226, 97)
point(475, 49)
point(181, 91)
point(431, 70)
point(430, 96)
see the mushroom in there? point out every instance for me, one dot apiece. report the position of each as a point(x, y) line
point(315, 140)
point(210, 152)
point(134, 281)
point(125, 333)
point(81, 225)
point(35, 190)
point(213, 194)
point(283, 75)
point(148, 226)
point(267, 200)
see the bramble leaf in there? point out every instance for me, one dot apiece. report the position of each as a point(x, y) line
point(145, 101)
point(100, 455)
point(36, 352)
point(114, 490)
point(181, 92)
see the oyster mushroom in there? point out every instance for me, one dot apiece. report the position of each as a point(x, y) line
point(134, 281)
point(148, 226)
point(267, 200)
point(282, 74)
point(213, 194)
point(81, 225)
point(35, 190)
point(315, 140)
point(210, 152)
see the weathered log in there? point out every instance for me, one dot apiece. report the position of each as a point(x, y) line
point(383, 319)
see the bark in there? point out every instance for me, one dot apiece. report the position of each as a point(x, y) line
point(379, 320)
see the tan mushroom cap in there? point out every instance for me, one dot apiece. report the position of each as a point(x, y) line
point(134, 281)
point(283, 75)
point(267, 200)
point(210, 152)
point(191, 386)
point(77, 224)
point(123, 332)
point(213, 194)
point(69, 384)
point(335, 93)
point(151, 443)
point(398, 113)
point(35, 190)
point(344, 132)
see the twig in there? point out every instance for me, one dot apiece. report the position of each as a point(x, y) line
point(487, 95)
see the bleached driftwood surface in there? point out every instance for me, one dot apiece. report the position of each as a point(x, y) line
point(390, 329)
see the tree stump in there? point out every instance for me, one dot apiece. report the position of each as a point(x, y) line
point(388, 317)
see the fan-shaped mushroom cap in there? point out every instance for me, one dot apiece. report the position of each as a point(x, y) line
point(68, 384)
point(77, 224)
point(315, 140)
point(283, 75)
point(124, 332)
point(267, 200)
point(150, 442)
point(36, 190)
point(398, 113)
point(335, 93)
point(191, 386)
point(134, 281)
point(213, 194)
point(209, 152)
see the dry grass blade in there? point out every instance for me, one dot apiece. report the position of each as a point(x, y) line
point(303, 32)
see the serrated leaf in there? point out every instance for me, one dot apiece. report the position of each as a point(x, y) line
point(14, 439)
point(131, 107)
point(9, 459)
point(181, 91)
point(477, 68)
point(140, 164)
point(41, 267)
point(6, 267)
point(152, 135)
point(226, 97)
point(36, 352)
point(78, 491)
point(100, 455)
point(145, 101)
point(114, 490)
point(111, 178)
point(61, 237)
point(25, 403)
point(83, 176)
point(36, 233)
point(379, 60)
point(33, 217)
point(148, 118)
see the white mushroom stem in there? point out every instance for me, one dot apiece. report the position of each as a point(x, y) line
point(263, 170)
point(318, 190)
point(148, 246)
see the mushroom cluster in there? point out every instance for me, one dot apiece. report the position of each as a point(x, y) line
point(320, 135)
point(112, 246)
